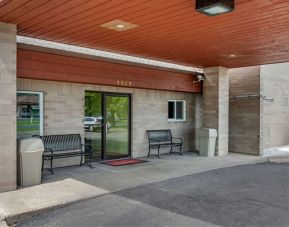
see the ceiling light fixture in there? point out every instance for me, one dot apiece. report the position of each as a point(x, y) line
point(120, 26)
point(214, 7)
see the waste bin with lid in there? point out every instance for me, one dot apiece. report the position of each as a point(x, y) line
point(207, 141)
point(30, 161)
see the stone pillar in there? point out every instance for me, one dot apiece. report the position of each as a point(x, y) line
point(7, 107)
point(216, 106)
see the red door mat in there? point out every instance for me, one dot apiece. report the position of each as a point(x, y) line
point(122, 162)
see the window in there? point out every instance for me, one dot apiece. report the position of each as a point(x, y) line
point(176, 110)
point(29, 114)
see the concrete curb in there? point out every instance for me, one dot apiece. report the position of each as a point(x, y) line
point(261, 160)
point(279, 158)
point(2, 219)
point(43, 198)
point(252, 162)
point(3, 224)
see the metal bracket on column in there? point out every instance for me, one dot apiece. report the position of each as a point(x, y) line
point(251, 97)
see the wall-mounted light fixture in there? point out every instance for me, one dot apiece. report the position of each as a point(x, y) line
point(199, 78)
point(215, 7)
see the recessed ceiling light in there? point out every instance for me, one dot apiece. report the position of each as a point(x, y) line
point(232, 55)
point(118, 25)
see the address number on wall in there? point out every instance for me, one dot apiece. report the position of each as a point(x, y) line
point(124, 83)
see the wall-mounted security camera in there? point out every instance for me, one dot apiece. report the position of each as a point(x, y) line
point(200, 77)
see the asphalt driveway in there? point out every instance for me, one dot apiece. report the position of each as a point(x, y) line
point(250, 195)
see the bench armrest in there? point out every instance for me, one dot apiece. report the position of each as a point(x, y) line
point(48, 150)
point(154, 141)
point(87, 146)
point(179, 139)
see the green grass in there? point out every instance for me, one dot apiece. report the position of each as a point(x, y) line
point(27, 122)
point(26, 126)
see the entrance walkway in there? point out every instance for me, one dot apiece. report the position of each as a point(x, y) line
point(107, 180)
point(169, 166)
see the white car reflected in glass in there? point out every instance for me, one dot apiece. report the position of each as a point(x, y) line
point(92, 123)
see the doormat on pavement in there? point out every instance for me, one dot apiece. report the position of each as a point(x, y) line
point(122, 162)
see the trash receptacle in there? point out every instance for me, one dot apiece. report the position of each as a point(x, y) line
point(29, 161)
point(207, 141)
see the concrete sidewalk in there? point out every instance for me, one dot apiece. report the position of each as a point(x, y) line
point(155, 170)
point(18, 205)
point(73, 184)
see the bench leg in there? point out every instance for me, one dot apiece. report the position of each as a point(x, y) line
point(81, 159)
point(158, 151)
point(171, 149)
point(51, 163)
point(42, 164)
point(90, 160)
point(181, 153)
point(149, 151)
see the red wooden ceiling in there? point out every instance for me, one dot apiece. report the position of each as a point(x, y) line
point(257, 32)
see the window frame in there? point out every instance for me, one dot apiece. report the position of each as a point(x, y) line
point(184, 111)
point(41, 107)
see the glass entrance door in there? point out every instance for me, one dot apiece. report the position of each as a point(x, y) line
point(107, 124)
point(93, 123)
point(117, 129)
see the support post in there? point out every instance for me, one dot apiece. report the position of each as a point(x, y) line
point(216, 106)
point(7, 107)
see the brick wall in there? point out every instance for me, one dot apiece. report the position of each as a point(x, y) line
point(64, 110)
point(7, 107)
point(275, 114)
point(244, 113)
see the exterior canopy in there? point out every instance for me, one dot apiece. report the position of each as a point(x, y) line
point(255, 33)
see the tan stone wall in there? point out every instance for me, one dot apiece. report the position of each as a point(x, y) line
point(244, 113)
point(7, 107)
point(216, 105)
point(64, 111)
point(275, 114)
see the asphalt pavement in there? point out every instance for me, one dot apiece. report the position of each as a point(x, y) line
point(249, 195)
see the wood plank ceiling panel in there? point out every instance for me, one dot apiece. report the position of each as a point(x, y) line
point(255, 33)
point(89, 26)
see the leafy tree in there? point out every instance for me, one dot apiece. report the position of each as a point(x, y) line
point(117, 108)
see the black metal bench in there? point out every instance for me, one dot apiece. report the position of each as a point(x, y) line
point(163, 138)
point(64, 146)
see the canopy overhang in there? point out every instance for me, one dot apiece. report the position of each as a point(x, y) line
point(255, 33)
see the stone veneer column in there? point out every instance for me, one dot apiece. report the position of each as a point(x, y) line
point(216, 106)
point(7, 107)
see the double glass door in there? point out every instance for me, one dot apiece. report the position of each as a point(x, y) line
point(107, 124)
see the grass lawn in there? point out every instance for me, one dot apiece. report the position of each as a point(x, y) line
point(26, 126)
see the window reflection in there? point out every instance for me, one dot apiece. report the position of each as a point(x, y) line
point(29, 114)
